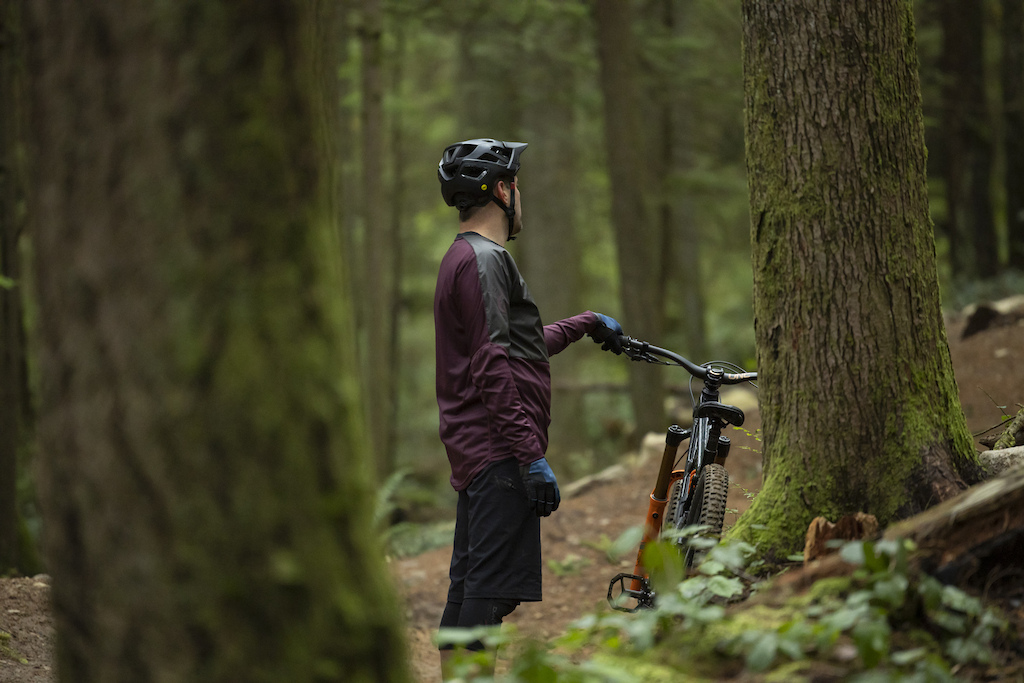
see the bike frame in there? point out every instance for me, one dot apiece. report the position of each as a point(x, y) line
point(706, 446)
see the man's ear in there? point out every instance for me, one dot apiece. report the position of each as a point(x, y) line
point(503, 189)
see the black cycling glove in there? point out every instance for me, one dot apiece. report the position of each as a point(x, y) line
point(607, 333)
point(541, 487)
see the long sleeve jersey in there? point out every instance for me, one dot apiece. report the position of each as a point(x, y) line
point(493, 378)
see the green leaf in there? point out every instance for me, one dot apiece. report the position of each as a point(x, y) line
point(891, 590)
point(931, 592)
point(626, 543)
point(905, 657)
point(6, 282)
point(853, 553)
point(872, 640)
point(725, 587)
point(954, 598)
point(711, 567)
point(762, 655)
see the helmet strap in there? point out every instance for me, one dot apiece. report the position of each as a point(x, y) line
point(509, 209)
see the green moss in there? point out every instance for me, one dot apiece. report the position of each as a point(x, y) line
point(8, 652)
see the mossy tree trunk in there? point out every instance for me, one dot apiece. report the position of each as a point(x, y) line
point(858, 399)
point(202, 468)
point(638, 240)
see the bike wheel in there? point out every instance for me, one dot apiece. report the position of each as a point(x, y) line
point(674, 517)
point(708, 507)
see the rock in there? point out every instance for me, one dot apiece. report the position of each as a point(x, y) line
point(997, 462)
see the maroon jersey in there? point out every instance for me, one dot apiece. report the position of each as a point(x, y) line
point(493, 379)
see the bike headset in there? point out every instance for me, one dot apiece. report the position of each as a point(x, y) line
point(469, 170)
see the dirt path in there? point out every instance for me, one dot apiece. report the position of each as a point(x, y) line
point(990, 372)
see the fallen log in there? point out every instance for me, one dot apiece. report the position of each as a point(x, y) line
point(965, 538)
point(970, 539)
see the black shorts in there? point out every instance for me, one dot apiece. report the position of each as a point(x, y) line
point(497, 539)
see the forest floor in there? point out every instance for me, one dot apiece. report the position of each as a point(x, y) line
point(990, 371)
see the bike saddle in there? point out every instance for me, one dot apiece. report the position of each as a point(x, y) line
point(729, 414)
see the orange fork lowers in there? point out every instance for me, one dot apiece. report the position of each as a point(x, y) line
point(659, 498)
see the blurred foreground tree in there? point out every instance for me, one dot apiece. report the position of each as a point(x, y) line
point(858, 399)
point(202, 463)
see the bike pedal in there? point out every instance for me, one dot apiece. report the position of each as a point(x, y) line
point(644, 597)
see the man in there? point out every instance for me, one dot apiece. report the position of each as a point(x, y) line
point(494, 389)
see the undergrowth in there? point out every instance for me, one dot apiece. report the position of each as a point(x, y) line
point(885, 621)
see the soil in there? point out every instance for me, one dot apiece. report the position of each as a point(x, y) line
point(990, 372)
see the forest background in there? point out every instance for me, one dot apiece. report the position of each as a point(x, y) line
point(634, 193)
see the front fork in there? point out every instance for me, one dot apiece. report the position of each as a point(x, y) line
point(639, 586)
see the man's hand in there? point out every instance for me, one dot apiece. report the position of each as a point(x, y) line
point(541, 488)
point(607, 333)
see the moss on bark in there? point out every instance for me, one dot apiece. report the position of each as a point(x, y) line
point(858, 396)
point(203, 471)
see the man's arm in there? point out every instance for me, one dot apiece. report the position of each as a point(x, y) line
point(601, 328)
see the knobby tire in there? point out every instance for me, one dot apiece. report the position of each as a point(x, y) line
point(707, 508)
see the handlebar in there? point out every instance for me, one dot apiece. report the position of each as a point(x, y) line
point(642, 351)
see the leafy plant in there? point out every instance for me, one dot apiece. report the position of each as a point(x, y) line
point(886, 622)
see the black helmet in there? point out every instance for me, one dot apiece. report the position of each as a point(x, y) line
point(469, 170)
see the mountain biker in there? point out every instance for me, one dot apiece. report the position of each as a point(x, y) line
point(494, 389)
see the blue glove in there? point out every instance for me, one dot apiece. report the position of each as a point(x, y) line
point(541, 488)
point(607, 333)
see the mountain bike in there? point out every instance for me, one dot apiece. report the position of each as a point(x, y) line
point(694, 494)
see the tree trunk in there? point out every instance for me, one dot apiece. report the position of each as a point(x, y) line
point(637, 237)
point(549, 253)
point(379, 247)
point(488, 88)
point(1013, 126)
point(13, 387)
point(858, 399)
point(202, 468)
point(968, 158)
point(681, 239)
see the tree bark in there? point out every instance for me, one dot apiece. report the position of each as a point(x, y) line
point(967, 168)
point(637, 237)
point(549, 253)
point(858, 399)
point(681, 238)
point(202, 469)
point(14, 401)
point(1013, 126)
point(379, 248)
